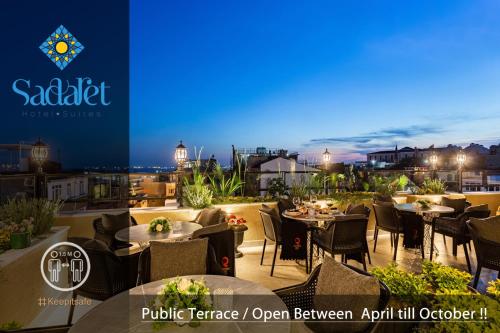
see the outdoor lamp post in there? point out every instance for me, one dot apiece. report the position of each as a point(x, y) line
point(461, 158)
point(433, 159)
point(327, 156)
point(39, 154)
point(180, 158)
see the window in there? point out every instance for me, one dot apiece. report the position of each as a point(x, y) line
point(56, 192)
point(68, 190)
point(82, 192)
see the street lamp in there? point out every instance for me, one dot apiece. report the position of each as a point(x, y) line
point(433, 159)
point(461, 158)
point(327, 156)
point(39, 154)
point(181, 158)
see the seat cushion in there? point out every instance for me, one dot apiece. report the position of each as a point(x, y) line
point(356, 209)
point(457, 204)
point(341, 288)
point(211, 229)
point(488, 228)
point(209, 216)
point(481, 208)
point(113, 223)
point(171, 259)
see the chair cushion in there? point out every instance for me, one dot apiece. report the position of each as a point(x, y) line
point(488, 228)
point(171, 259)
point(209, 216)
point(113, 223)
point(211, 229)
point(457, 204)
point(341, 288)
point(95, 244)
point(355, 209)
point(483, 207)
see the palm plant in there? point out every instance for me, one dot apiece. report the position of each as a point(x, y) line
point(198, 194)
point(432, 186)
point(223, 186)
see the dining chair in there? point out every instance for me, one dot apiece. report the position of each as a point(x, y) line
point(345, 236)
point(387, 219)
point(272, 232)
point(210, 230)
point(106, 226)
point(485, 234)
point(456, 228)
point(166, 259)
point(221, 258)
point(109, 274)
point(302, 296)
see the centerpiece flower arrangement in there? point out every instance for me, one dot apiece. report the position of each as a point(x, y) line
point(180, 295)
point(422, 204)
point(159, 224)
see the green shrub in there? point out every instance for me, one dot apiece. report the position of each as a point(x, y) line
point(409, 288)
point(197, 195)
point(432, 186)
point(43, 212)
point(445, 278)
point(223, 186)
point(494, 288)
point(276, 187)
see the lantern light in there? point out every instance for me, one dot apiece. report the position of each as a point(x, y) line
point(180, 154)
point(327, 156)
point(433, 159)
point(461, 158)
point(39, 152)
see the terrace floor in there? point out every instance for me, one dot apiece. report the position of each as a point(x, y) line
point(288, 273)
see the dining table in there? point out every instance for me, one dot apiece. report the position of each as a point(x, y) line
point(429, 214)
point(124, 312)
point(141, 235)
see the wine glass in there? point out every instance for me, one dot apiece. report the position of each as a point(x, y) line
point(313, 198)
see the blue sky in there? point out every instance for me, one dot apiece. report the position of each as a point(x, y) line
point(351, 76)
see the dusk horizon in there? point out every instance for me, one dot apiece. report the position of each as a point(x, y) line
point(353, 79)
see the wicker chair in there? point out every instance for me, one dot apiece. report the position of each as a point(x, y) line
point(272, 232)
point(108, 236)
point(302, 295)
point(387, 219)
point(109, 276)
point(210, 216)
point(457, 229)
point(345, 236)
point(487, 251)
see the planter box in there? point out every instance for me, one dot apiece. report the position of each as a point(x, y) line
point(21, 283)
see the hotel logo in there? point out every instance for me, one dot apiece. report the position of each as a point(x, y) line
point(61, 47)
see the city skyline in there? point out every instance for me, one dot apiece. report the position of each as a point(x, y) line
point(351, 77)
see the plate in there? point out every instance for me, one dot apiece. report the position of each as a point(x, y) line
point(293, 213)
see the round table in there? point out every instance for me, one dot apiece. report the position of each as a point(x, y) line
point(140, 234)
point(122, 313)
point(433, 209)
point(428, 213)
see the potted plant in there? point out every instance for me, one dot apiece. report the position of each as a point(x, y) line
point(20, 234)
point(239, 228)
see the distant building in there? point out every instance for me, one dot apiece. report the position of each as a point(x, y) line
point(478, 157)
point(67, 188)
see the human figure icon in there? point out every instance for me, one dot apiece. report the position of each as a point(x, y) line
point(54, 266)
point(76, 267)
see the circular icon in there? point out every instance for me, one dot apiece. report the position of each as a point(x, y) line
point(63, 267)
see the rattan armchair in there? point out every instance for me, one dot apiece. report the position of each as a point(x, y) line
point(487, 250)
point(302, 295)
point(345, 236)
point(387, 219)
point(457, 229)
